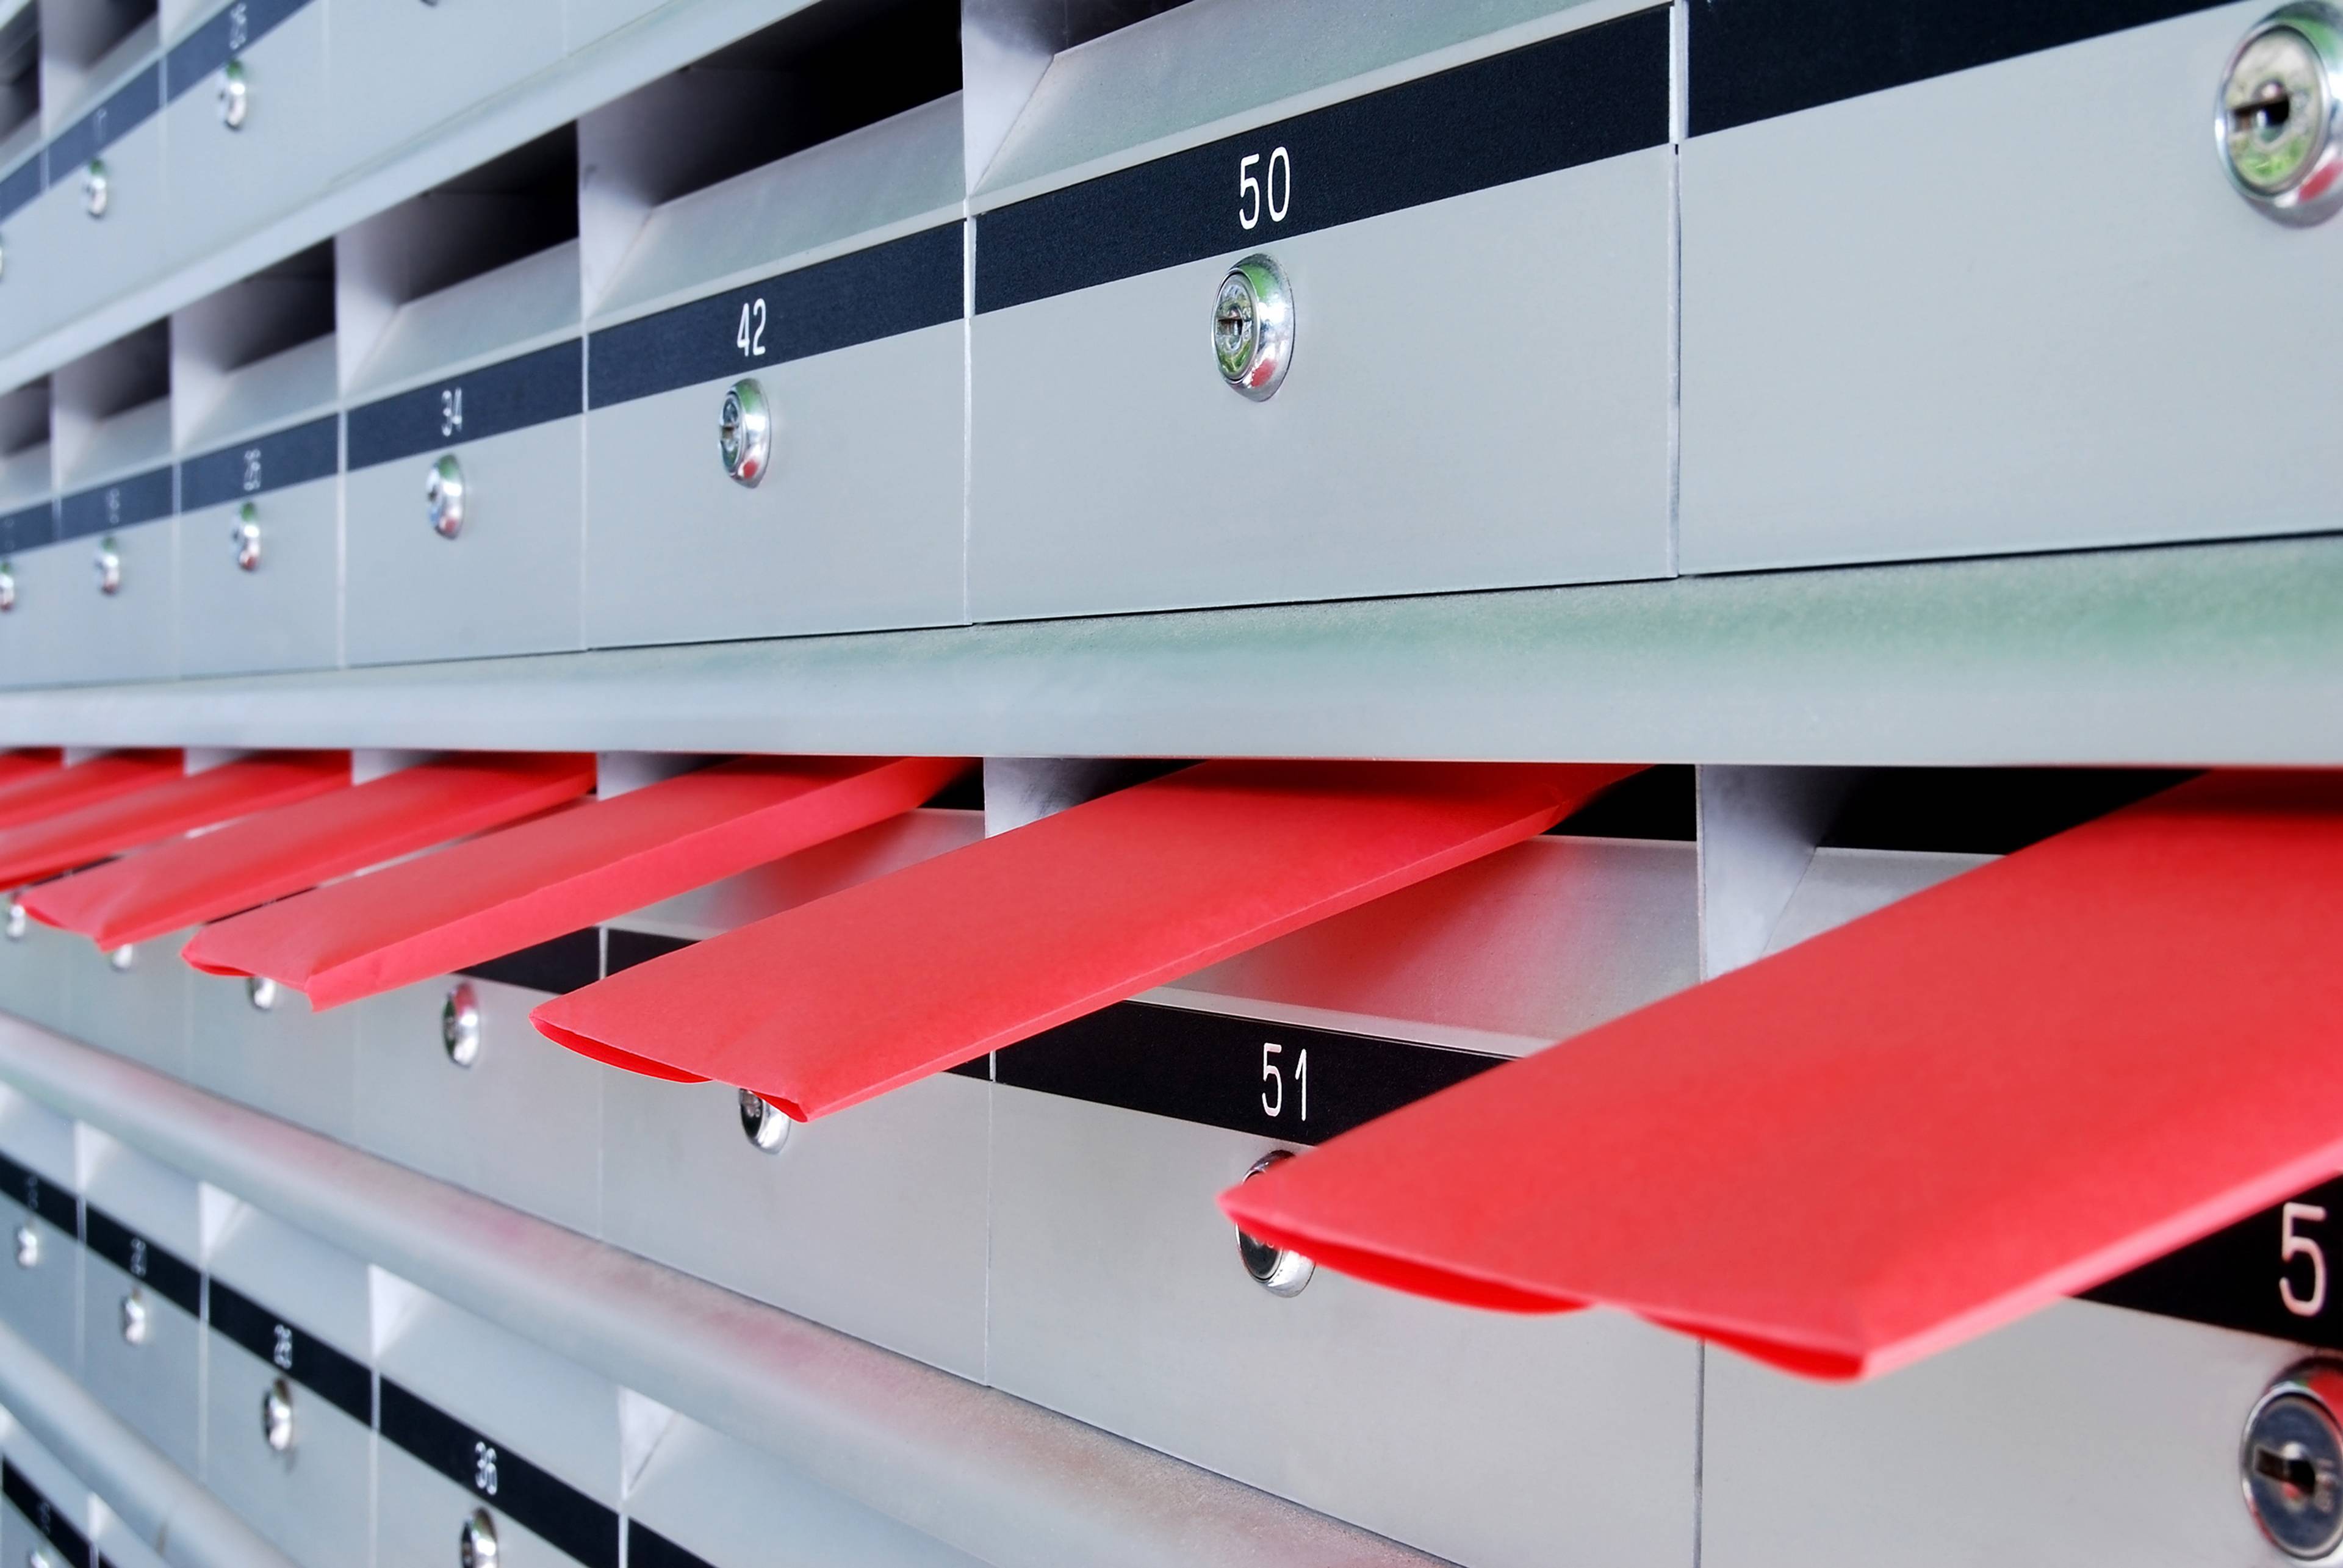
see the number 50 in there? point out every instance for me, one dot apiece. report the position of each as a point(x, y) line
point(1275, 189)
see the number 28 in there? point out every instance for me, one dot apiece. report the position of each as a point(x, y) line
point(1271, 193)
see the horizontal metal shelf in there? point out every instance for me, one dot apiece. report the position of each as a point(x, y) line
point(2225, 653)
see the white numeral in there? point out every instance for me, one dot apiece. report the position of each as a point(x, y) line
point(2292, 1246)
point(238, 27)
point(251, 469)
point(137, 1257)
point(750, 339)
point(112, 507)
point(451, 411)
point(1273, 193)
point(484, 1469)
point(1270, 1074)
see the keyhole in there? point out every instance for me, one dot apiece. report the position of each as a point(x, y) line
point(2290, 1468)
point(2265, 112)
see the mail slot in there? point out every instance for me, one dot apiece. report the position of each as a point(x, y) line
point(141, 1294)
point(813, 301)
point(289, 1404)
point(461, 52)
point(40, 1204)
point(115, 576)
point(250, 123)
point(1876, 363)
point(487, 1437)
point(1115, 1300)
point(1472, 264)
point(872, 1220)
point(463, 495)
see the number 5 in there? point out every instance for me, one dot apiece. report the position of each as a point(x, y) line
point(2292, 1246)
point(1249, 213)
point(1270, 1074)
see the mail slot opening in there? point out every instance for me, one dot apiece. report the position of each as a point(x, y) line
point(20, 84)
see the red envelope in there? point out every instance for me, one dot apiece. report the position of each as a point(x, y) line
point(59, 791)
point(16, 767)
point(181, 803)
point(823, 1006)
point(189, 881)
point(490, 896)
point(1906, 1132)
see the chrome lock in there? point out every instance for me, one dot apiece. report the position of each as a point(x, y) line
point(7, 586)
point(1277, 1269)
point(1252, 326)
point(95, 188)
point(246, 537)
point(109, 565)
point(443, 492)
point(28, 1246)
point(20, 920)
point(2291, 1462)
point(744, 432)
point(765, 1127)
point(276, 1416)
point(476, 1547)
point(122, 958)
point(3, 261)
point(135, 1318)
point(36, 1558)
point(234, 96)
point(2276, 120)
point(260, 992)
point(460, 1024)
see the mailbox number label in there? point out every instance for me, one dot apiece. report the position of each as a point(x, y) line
point(251, 469)
point(484, 1468)
point(239, 27)
point(2292, 1244)
point(281, 1349)
point(1269, 193)
point(1273, 1073)
point(750, 339)
point(451, 411)
point(113, 505)
point(137, 1257)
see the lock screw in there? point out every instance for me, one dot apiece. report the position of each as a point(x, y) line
point(109, 565)
point(744, 432)
point(234, 96)
point(97, 188)
point(476, 1547)
point(260, 992)
point(1279, 1270)
point(2291, 1462)
point(1253, 327)
point(2274, 119)
point(246, 537)
point(276, 1416)
point(765, 1127)
point(460, 1024)
point(443, 495)
point(122, 958)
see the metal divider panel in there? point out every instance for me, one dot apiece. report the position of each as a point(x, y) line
point(1904, 1131)
point(535, 1499)
point(341, 1380)
point(541, 880)
point(85, 784)
point(58, 1205)
point(165, 810)
point(828, 1004)
point(171, 1277)
point(45, 1516)
point(294, 847)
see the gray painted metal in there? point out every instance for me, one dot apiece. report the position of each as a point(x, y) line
point(167, 1509)
point(224, 182)
point(283, 614)
point(313, 1500)
point(140, 1012)
point(999, 1478)
point(155, 1386)
point(394, 71)
point(2215, 653)
point(288, 1062)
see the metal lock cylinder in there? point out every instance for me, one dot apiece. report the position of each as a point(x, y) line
point(2291, 1462)
point(20, 920)
point(476, 1547)
point(276, 1416)
point(7, 586)
point(97, 188)
point(28, 1246)
point(136, 1319)
point(2275, 118)
point(764, 1126)
point(1279, 1270)
point(122, 958)
point(246, 537)
point(744, 432)
point(443, 497)
point(234, 96)
point(460, 1025)
point(1253, 327)
point(108, 563)
point(260, 992)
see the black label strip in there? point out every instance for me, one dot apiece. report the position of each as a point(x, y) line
point(493, 401)
point(294, 456)
point(623, 949)
point(171, 1276)
point(130, 106)
point(1593, 93)
point(570, 962)
point(342, 1380)
point(646, 1548)
point(20, 186)
point(29, 528)
point(566, 1517)
point(58, 1205)
point(44, 1515)
point(1278, 1080)
point(2271, 1274)
point(140, 498)
point(889, 289)
point(1755, 59)
point(225, 36)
